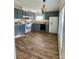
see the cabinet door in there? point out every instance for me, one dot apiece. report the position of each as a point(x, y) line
point(23, 13)
point(26, 14)
point(19, 13)
point(20, 29)
point(15, 13)
point(33, 27)
point(36, 27)
point(17, 30)
point(33, 15)
point(23, 28)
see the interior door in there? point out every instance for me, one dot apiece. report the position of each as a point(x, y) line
point(53, 24)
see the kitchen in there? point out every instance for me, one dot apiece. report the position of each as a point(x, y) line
point(36, 26)
point(26, 24)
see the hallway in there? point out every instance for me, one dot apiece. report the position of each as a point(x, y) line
point(37, 45)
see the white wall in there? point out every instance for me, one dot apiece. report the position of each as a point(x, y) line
point(61, 26)
point(16, 6)
point(61, 32)
point(62, 3)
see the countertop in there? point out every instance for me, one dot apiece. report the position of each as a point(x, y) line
point(33, 22)
point(40, 21)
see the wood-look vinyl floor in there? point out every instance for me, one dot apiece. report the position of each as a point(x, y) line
point(37, 45)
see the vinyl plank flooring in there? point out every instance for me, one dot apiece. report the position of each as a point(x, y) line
point(37, 45)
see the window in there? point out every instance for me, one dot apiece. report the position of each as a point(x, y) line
point(39, 18)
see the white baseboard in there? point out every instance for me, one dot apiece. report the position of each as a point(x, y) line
point(60, 48)
point(19, 36)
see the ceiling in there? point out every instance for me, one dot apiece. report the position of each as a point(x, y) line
point(35, 5)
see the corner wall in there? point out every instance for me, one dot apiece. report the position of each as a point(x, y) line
point(61, 32)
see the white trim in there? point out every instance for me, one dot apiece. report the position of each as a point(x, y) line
point(19, 36)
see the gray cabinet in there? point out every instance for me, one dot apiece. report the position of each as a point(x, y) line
point(24, 13)
point(18, 13)
point(23, 28)
point(15, 13)
point(31, 15)
point(35, 27)
point(19, 29)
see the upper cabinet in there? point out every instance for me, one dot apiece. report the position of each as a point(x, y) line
point(15, 13)
point(24, 13)
point(31, 15)
point(18, 13)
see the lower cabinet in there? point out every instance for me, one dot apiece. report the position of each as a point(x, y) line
point(35, 27)
point(39, 27)
point(23, 28)
point(19, 29)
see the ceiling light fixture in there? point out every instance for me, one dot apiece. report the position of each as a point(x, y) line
point(43, 9)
